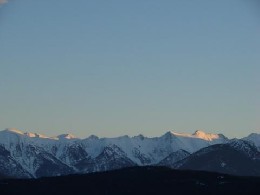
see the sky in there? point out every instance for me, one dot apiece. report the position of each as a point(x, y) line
point(120, 67)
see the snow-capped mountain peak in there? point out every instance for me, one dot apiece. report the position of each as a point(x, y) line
point(199, 134)
point(34, 152)
point(206, 136)
point(140, 136)
point(28, 134)
point(254, 138)
point(17, 132)
point(66, 136)
point(170, 134)
point(94, 137)
point(245, 146)
point(13, 130)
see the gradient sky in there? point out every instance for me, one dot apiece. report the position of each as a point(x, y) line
point(119, 67)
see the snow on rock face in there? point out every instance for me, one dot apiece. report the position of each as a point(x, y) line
point(71, 154)
point(206, 136)
point(28, 134)
point(34, 151)
point(247, 147)
point(10, 167)
point(112, 157)
point(13, 130)
point(237, 157)
point(193, 142)
point(202, 135)
point(173, 158)
point(254, 138)
point(66, 136)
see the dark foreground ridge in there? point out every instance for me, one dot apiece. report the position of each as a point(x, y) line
point(135, 180)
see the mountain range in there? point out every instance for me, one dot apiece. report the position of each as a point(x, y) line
point(31, 155)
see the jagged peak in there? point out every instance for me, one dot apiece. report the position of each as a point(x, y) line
point(112, 149)
point(66, 136)
point(197, 134)
point(240, 142)
point(30, 134)
point(254, 138)
point(140, 136)
point(93, 137)
point(173, 134)
point(253, 135)
point(27, 134)
point(245, 146)
point(207, 136)
point(170, 133)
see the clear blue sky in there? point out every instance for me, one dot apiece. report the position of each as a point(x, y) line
point(127, 67)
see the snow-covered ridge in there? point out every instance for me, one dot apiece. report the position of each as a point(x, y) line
point(197, 134)
point(14, 130)
point(201, 135)
point(66, 136)
point(34, 151)
point(254, 138)
point(140, 149)
point(36, 135)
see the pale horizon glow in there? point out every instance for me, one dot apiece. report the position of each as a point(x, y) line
point(127, 68)
point(197, 133)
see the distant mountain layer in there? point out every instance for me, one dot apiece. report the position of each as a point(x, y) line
point(31, 155)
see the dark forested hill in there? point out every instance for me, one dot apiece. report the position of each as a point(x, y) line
point(135, 180)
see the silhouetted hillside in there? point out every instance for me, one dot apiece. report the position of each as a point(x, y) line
point(136, 180)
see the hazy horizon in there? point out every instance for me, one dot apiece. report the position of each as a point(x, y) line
point(127, 68)
point(70, 132)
